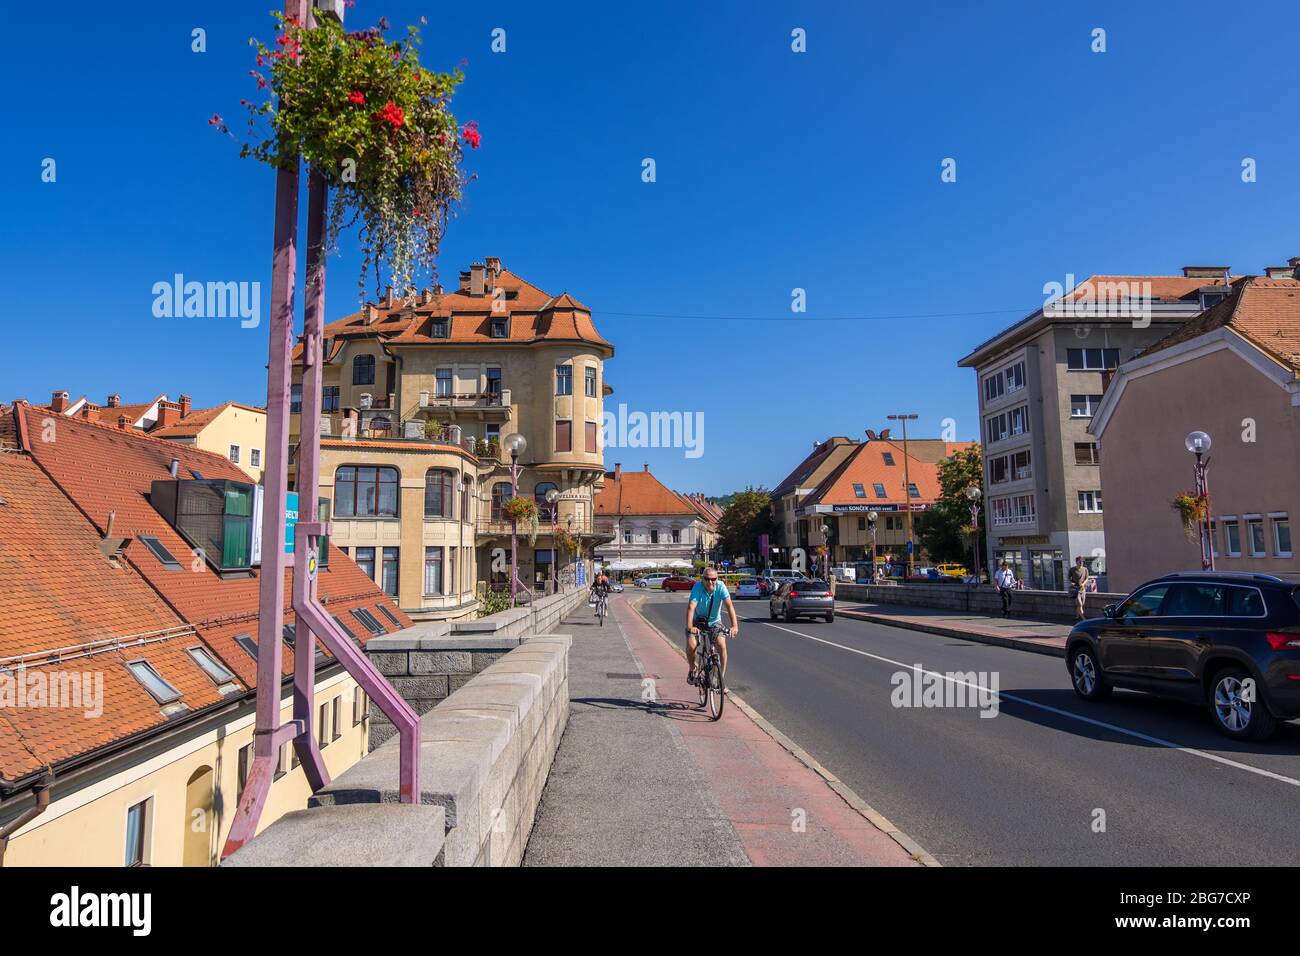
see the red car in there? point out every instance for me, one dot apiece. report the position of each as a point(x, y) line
point(678, 583)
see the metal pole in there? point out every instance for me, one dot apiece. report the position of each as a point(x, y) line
point(514, 528)
point(975, 544)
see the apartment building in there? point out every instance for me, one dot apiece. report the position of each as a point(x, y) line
point(1040, 382)
point(232, 429)
point(859, 510)
point(788, 495)
point(128, 629)
point(1233, 373)
point(419, 396)
point(646, 521)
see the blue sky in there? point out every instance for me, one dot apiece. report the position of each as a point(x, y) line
point(775, 170)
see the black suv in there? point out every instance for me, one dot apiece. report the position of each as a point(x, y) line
point(1227, 639)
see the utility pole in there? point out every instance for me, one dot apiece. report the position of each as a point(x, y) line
point(907, 496)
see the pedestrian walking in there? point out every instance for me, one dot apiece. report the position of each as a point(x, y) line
point(1006, 580)
point(1079, 578)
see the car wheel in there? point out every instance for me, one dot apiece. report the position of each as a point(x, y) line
point(1238, 710)
point(830, 618)
point(1085, 675)
point(771, 612)
point(790, 616)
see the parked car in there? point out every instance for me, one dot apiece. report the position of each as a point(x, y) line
point(1228, 640)
point(953, 570)
point(781, 575)
point(807, 598)
point(678, 582)
point(616, 587)
point(748, 588)
point(650, 580)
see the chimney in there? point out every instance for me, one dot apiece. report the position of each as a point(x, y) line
point(371, 313)
point(169, 413)
point(437, 288)
point(89, 411)
point(185, 405)
point(59, 401)
point(476, 279)
point(494, 264)
point(388, 297)
point(646, 468)
point(1206, 272)
point(123, 422)
point(174, 469)
point(114, 400)
point(618, 471)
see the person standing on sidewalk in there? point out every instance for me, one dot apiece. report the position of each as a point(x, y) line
point(1079, 578)
point(1005, 580)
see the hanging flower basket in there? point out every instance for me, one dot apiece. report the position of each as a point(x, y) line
point(523, 511)
point(565, 541)
point(1192, 510)
point(363, 112)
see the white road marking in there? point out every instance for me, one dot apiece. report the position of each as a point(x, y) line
point(1047, 707)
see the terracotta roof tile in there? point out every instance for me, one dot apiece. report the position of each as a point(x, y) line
point(639, 493)
point(1265, 312)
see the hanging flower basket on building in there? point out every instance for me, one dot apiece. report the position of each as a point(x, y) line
point(523, 511)
point(565, 541)
point(1192, 510)
point(363, 112)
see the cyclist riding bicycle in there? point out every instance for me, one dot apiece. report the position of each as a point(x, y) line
point(708, 598)
point(599, 586)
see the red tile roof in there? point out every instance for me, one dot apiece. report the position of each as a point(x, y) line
point(533, 316)
point(1265, 312)
point(59, 590)
point(866, 466)
point(639, 493)
point(197, 420)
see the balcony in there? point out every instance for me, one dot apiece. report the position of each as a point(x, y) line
point(499, 526)
point(476, 406)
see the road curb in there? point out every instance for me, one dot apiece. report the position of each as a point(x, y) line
point(841, 789)
point(1011, 642)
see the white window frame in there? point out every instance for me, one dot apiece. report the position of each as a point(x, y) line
point(1094, 500)
point(255, 458)
point(1252, 521)
point(234, 454)
point(1275, 518)
point(1231, 522)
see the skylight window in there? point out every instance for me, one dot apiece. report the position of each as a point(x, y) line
point(153, 682)
point(211, 666)
point(889, 457)
point(247, 643)
point(389, 614)
point(369, 620)
point(159, 551)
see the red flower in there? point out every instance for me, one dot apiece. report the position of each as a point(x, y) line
point(215, 121)
point(391, 113)
point(356, 96)
point(472, 135)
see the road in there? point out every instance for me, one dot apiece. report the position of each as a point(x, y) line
point(1047, 780)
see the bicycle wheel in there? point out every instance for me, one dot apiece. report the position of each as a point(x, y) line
point(717, 697)
point(600, 611)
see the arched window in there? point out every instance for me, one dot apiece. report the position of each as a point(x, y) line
point(438, 500)
point(465, 497)
point(365, 491)
point(363, 370)
point(500, 495)
point(544, 506)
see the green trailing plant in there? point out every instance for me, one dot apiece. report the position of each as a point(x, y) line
point(1192, 511)
point(523, 511)
point(364, 113)
point(492, 602)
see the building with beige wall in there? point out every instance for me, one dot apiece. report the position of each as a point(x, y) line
point(140, 633)
point(1234, 373)
point(647, 521)
point(1040, 382)
point(420, 394)
point(231, 429)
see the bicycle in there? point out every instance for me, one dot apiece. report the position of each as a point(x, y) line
point(602, 606)
point(708, 669)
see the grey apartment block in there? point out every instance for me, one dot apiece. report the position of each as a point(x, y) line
point(1039, 383)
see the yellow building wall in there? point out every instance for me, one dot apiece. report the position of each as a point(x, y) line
point(88, 828)
point(237, 426)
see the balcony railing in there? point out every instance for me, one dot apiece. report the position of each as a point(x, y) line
point(466, 401)
point(499, 524)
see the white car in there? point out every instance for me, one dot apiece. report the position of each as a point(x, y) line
point(651, 580)
point(748, 588)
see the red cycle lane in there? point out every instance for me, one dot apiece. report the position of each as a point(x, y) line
point(785, 813)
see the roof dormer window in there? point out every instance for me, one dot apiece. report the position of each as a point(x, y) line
point(500, 328)
point(440, 328)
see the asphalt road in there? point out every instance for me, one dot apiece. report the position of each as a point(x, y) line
point(1030, 784)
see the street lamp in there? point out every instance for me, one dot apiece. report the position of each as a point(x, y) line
point(516, 444)
point(906, 417)
point(872, 517)
point(1198, 443)
point(552, 496)
point(973, 495)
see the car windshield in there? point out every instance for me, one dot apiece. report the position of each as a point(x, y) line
point(812, 586)
point(749, 580)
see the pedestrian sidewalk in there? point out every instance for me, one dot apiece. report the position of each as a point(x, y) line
point(642, 777)
point(1042, 637)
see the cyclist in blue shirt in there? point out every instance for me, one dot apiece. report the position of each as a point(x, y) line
point(708, 598)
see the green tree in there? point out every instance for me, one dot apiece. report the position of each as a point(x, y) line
point(747, 515)
point(945, 530)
